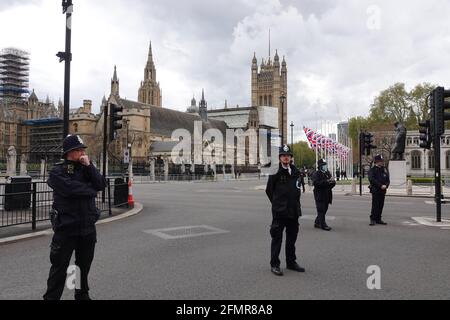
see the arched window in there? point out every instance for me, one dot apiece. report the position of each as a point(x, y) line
point(430, 160)
point(409, 141)
point(260, 100)
point(270, 100)
point(265, 100)
point(75, 127)
point(416, 160)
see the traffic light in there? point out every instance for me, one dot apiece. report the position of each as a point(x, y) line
point(368, 143)
point(440, 105)
point(114, 120)
point(425, 134)
point(362, 149)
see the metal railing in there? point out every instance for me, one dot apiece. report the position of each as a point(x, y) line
point(143, 179)
point(31, 202)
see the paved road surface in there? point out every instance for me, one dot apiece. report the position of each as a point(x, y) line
point(234, 264)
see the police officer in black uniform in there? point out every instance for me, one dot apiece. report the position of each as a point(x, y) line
point(75, 183)
point(283, 190)
point(323, 195)
point(379, 183)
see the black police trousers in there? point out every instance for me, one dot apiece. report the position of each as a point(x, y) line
point(276, 231)
point(377, 205)
point(322, 208)
point(61, 251)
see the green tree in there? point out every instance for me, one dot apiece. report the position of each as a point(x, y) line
point(392, 105)
point(418, 99)
point(303, 155)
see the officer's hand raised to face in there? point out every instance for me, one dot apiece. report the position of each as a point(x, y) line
point(85, 160)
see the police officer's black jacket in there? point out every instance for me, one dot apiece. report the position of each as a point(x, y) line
point(323, 186)
point(284, 193)
point(75, 187)
point(378, 177)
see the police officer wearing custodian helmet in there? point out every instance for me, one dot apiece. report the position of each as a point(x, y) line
point(379, 183)
point(323, 194)
point(75, 183)
point(283, 190)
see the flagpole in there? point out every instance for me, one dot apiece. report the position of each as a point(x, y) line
point(330, 153)
point(317, 144)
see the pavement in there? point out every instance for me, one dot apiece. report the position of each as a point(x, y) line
point(43, 228)
point(211, 241)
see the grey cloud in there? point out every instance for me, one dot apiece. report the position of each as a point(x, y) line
point(335, 63)
point(7, 4)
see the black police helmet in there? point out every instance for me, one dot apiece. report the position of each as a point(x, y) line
point(72, 142)
point(321, 163)
point(285, 150)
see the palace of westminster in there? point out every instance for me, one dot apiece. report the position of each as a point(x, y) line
point(34, 127)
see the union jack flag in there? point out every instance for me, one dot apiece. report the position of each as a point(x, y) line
point(311, 136)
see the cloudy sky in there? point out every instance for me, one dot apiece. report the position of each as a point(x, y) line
point(340, 53)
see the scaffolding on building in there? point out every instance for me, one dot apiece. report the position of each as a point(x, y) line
point(45, 139)
point(14, 74)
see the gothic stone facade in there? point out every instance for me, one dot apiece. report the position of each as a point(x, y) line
point(268, 85)
point(13, 113)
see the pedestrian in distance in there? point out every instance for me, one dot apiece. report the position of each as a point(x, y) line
point(302, 179)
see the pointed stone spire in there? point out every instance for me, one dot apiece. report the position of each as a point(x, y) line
point(104, 101)
point(226, 104)
point(150, 53)
point(276, 59)
point(47, 100)
point(33, 97)
point(115, 83)
point(115, 73)
point(203, 107)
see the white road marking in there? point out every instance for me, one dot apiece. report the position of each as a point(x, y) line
point(431, 222)
point(165, 233)
point(410, 224)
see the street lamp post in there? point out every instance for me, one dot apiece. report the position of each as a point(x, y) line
point(67, 58)
point(282, 100)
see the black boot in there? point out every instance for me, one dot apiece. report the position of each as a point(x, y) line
point(372, 222)
point(276, 271)
point(79, 295)
point(294, 266)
